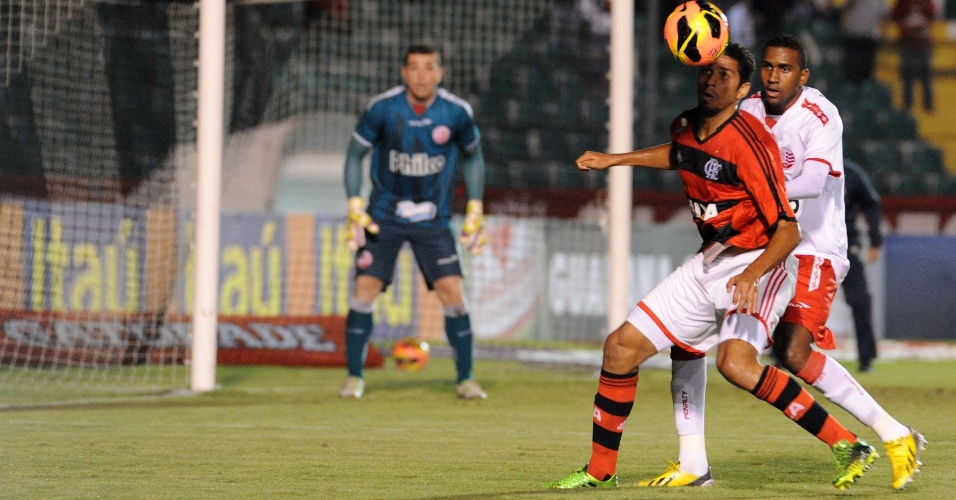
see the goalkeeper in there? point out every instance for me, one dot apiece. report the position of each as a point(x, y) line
point(416, 132)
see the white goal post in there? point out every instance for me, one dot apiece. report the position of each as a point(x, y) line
point(172, 182)
point(209, 147)
point(620, 140)
point(211, 95)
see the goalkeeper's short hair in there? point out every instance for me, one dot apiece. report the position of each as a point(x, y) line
point(422, 48)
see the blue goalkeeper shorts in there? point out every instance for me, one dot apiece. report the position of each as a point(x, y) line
point(433, 246)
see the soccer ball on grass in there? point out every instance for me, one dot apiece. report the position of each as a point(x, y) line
point(696, 33)
point(410, 354)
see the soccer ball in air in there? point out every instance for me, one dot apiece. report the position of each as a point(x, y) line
point(410, 354)
point(696, 33)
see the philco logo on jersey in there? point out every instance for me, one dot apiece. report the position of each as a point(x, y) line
point(416, 164)
point(703, 211)
point(712, 168)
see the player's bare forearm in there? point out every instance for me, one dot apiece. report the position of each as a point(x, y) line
point(653, 157)
point(782, 243)
point(745, 286)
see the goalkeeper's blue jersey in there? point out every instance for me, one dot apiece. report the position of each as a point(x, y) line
point(415, 156)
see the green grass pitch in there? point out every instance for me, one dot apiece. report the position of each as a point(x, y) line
point(284, 433)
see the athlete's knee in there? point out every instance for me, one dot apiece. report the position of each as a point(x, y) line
point(613, 348)
point(625, 349)
point(367, 289)
point(739, 366)
point(795, 357)
point(792, 346)
point(455, 310)
point(361, 306)
point(732, 369)
point(449, 290)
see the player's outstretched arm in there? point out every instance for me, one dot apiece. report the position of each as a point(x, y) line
point(653, 157)
point(744, 286)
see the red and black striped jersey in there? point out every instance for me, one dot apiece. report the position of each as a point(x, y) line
point(733, 180)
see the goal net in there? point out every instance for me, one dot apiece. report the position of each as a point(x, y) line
point(98, 167)
point(97, 103)
point(535, 72)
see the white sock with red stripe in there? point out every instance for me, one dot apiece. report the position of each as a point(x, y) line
point(836, 383)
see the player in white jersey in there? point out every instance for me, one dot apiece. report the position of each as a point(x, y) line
point(809, 132)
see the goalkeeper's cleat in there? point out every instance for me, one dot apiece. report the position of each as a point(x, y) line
point(581, 479)
point(904, 455)
point(674, 477)
point(352, 388)
point(469, 389)
point(852, 460)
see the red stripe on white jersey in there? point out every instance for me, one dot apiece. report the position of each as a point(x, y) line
point(833, 173)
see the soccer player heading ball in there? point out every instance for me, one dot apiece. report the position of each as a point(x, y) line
point(734, 290)
point(809, 132)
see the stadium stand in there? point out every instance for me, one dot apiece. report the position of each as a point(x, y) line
point(556, 108)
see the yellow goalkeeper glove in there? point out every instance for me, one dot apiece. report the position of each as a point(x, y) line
point(358, 222)
point(473, 234)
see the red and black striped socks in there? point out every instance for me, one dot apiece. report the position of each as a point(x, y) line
point(612, 405)
point(788, 396)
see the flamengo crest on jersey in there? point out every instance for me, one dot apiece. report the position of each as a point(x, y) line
point(733, 180)
point(810, 135)
point(414, 156)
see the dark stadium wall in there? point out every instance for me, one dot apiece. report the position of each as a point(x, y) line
point(920, 287)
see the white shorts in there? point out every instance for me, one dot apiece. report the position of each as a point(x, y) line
point(692, 309)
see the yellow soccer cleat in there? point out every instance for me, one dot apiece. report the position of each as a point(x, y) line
point(904, 455)
point(852, 460)
point(674, 477)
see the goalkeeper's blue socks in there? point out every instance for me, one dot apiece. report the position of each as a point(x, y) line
point(358, 329)
point(458, 331)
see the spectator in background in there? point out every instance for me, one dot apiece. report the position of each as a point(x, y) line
point(861, 198)
point(860, 25)
point(915, 20)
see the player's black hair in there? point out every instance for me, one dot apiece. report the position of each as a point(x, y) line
point(745, 60)
point(790, 42)
point(423, 49)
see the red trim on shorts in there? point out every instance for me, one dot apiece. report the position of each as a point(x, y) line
point(667, 333)
point(774, 283)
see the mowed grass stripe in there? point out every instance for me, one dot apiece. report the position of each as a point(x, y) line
point(276, 432)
